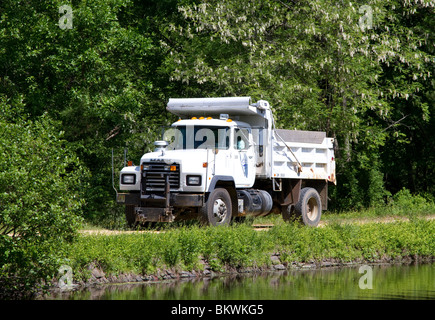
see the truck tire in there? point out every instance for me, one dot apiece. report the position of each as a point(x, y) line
point(309, 207)
point(218, 208)
point(130, 216)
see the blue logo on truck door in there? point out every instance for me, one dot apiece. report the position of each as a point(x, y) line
point(244, 162)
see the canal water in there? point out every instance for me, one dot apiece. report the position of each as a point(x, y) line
point(379, 282)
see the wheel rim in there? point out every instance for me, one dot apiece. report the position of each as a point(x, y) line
point(219, 210)
point(312, 209)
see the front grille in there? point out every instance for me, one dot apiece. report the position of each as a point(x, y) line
point(154, 176)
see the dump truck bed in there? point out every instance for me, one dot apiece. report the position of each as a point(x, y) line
point(302, 155)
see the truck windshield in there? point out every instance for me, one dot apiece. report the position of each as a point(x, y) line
point(197, 137)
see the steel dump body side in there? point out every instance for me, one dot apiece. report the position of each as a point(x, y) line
point(307, 160)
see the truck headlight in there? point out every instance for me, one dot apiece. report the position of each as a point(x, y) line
point(128, 179)
point(193, 180)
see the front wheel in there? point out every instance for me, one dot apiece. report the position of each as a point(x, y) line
point(309, 207)
point(218, 208)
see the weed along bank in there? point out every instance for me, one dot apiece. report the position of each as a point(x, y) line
point(223, 160)
point(206, 252)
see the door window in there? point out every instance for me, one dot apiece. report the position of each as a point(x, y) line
point(241, 138)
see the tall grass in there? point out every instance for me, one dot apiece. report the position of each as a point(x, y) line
point(240, 246)
point(402, 204)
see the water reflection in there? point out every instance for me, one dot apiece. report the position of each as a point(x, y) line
point(389, 282)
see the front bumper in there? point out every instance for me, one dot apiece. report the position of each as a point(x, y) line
point(175, 199)
point(159, 208)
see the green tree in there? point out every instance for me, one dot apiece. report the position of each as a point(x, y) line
point(322, 64)
point(98, 78)
point(408, 157)
point(41, 182)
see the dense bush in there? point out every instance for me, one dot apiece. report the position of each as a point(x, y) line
point(40, 200)
point(405, 202)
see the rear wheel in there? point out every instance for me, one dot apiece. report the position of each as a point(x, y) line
point(309, 207)
point(218, 208)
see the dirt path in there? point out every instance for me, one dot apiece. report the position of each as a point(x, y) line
point(105, 232)
point(257, 227)
point(387, 219)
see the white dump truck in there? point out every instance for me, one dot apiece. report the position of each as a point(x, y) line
point(222, 160)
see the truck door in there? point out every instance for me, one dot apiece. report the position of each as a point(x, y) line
point(221, 153)
point(243, 158)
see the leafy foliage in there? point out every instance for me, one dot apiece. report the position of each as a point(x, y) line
point(319, 68)
point(107, 79)
point(68, 96)
point(41, 181)
point(96, 79)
